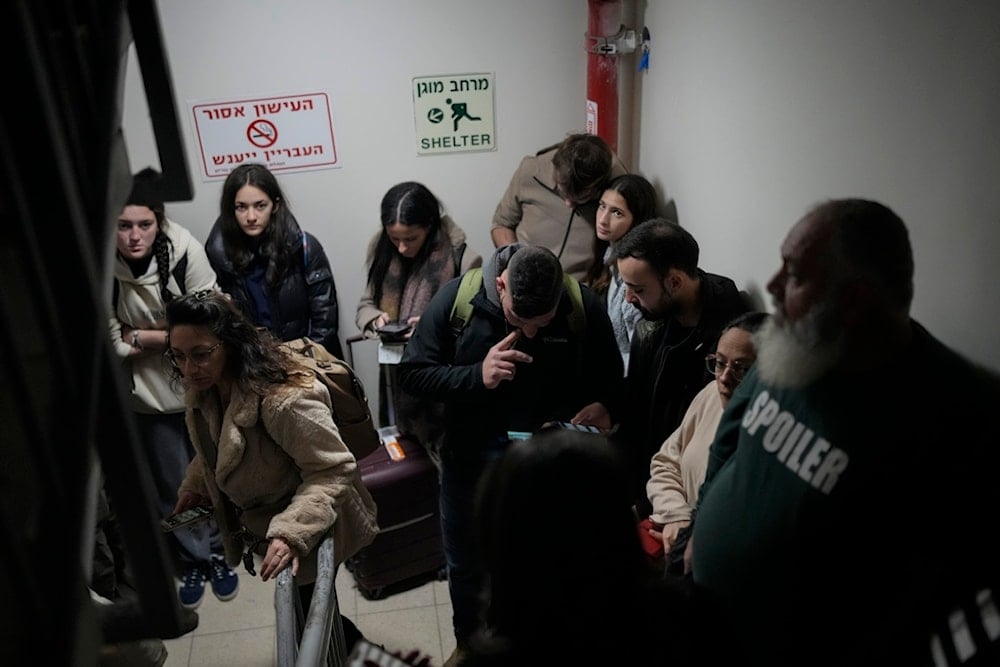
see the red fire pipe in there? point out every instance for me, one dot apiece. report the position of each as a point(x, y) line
point(604, 19)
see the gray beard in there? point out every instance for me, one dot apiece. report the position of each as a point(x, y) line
point(795, 355)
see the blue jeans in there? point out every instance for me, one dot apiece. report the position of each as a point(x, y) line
point(466, 571)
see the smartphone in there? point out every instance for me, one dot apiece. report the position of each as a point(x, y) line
point(186, 518)
point(394, 330)
point(577, 427)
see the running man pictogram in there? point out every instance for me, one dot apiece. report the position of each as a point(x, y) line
point(460, 110)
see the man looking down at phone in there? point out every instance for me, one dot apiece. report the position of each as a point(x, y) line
point(516, 364)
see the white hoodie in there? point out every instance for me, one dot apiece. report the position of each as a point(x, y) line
point(141, 306)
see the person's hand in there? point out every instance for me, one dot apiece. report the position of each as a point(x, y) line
point(188, 499)
point(279, 556)
point(127, 333)
point(501, 361)
point(412, 321)
point(670, 533)
point(689, 555)
point(372, 330)
point(594, 414)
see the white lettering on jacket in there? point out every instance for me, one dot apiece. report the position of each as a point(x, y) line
point(794, 444)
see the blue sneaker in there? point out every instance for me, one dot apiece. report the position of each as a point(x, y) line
point(192, 588)
point(225, 583)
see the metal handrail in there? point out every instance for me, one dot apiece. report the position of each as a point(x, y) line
point(308, 644)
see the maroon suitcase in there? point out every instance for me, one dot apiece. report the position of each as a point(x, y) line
point(407, 550)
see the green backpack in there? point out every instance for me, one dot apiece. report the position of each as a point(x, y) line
point(461, 310)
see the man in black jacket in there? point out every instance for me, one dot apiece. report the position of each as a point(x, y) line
point(518, 362)
point(684, 310)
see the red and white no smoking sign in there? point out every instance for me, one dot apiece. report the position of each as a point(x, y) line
point(287, 133)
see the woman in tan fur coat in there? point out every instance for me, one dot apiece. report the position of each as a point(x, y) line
point(269, 458)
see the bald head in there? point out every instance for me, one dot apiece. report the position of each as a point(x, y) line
point(842, 294)
point(869, 242)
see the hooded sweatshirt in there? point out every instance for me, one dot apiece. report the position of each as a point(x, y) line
point(141, 306)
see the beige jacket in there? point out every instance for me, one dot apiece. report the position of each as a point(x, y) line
point(368, 310)
point(539, 216)
point(280, 460)
point(678, 469)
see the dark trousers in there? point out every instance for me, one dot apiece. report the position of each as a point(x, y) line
point(169, 451)
point(466, 570)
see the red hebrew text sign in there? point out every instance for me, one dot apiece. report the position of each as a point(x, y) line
point(290, 133)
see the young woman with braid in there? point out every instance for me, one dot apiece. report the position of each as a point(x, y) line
point(156, 261)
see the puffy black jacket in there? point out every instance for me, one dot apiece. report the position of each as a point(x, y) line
point(305, 304)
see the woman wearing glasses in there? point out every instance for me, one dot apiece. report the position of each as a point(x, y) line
point(268, 457)
point(156, 261)
point(678, 469)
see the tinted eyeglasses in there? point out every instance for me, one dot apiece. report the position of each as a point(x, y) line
point(717, 366)
point(197, 357)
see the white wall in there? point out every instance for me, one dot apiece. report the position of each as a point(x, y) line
point(365, 54)
point(754, 111)
point(751, 112)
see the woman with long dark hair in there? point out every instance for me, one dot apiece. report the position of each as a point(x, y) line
point(627, 201)
point(277, 273)
point(417, 250)
point(269, 459)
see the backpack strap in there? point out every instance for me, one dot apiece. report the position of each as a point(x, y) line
point(577, 315)
point(180, 273)
point(461, 310)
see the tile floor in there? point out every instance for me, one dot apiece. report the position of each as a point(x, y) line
point(241, 631)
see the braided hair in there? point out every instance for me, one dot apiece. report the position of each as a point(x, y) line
point(145, 192)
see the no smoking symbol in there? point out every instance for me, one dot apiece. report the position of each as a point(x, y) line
point(262, 133)
point(435, 115)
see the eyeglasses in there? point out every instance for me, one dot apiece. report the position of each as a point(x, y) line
point(717, 366)
point(198, 357)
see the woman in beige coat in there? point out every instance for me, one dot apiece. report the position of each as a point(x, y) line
point(268, 456)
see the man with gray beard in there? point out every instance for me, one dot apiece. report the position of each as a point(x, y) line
point(851, 491)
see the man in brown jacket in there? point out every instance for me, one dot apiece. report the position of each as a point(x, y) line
point(552, 199)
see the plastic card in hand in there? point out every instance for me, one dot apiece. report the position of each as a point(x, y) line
point(186, 518)
point(390, 353)
point(577, 427)
point(390, 440)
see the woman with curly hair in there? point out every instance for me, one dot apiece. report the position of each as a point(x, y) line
point(268, 456)
point(157, 260)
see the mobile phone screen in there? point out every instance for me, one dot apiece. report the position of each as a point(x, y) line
point(185, 518)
